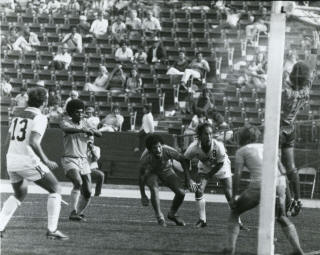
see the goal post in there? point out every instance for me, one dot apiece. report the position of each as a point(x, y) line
point(276, 45)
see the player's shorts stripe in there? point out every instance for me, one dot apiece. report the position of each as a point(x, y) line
point(40, 171)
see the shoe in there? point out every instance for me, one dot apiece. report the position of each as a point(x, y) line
point(75, 217)
point(177, 220)
point(201, 224)
point(162, 222)
point(56, 235)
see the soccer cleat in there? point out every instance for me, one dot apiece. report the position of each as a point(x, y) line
point(56, 235)
point(162, 222)
point(201, 224)
point(75, 217)
point(177, 220)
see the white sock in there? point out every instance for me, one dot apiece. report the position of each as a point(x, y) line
point(202, 209)
point(53, 208)
point(75, 194)
point(83, 204)
point(8, 209)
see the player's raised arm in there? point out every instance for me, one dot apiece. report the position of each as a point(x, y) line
point(69, 129)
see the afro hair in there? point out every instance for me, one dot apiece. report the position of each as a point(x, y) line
point(73, 105)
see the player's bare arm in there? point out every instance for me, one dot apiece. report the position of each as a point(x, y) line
point(35, 144)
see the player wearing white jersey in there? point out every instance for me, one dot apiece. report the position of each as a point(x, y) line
point(26, 161)
point(74, 161)
point(213, 160)
point(250, 156)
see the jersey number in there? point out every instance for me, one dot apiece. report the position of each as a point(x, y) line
point(24, 124)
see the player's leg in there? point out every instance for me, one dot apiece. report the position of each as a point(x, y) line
point(85, 196)
point(98, 176)
point(74, 176)
point(202, 181)
point(287, 226)
point(248, 199)
point(20, 189)
point(153, 185)
point(174, 183)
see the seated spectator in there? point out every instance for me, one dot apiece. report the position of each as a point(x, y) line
point(22, 98)
point(62, 59)
point(156, 53)
point(43, 8)
point(73, 40)
point(54, 98)
point(113, 121)
point(180, 65)
point(21, 44)
point(147, 127)
point(32, 37)
point(203, 103)
point(8, 40)
point(73, 95)
point(30, 9)
point(119, 30)
point(117, 75)
point(73, 7)
point(133, 23)
point(232, 20)
point(306, 43)
point(99, 27)
point(252, 30)
point(92, 120)
point(196, 69)
point(141, 56)
point(55, 113)
point(100, 82)
point(133, 83)
point(84, 26)
point(7, 6)
point(5, 86)
point(151, 25)
point(124, 53)
point(54, 6)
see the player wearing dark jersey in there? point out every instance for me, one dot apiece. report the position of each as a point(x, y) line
point(294, 97)
point(157, 164)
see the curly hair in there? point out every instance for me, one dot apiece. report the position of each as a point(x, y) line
point(202, 127)
point(300, 75)
point(153, 139)
point(249, 134)
point(73, 105)
point(37, 97)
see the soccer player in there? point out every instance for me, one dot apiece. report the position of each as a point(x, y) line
point(250, 156)
point(74, 161)
point(26, 161)
point(96, 174)
point(157, 164)
point(213, 160)
point(294, 97)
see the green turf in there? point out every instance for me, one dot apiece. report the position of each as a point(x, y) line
point(123, 226)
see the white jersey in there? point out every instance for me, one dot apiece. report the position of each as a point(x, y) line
point(217, 154)
point(20, 155)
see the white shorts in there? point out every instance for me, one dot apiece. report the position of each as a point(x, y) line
point(34, 174)
point(223, 173)
point(80, 164)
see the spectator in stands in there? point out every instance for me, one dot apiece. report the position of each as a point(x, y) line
point(113, 121)
point(92, 120)
point(30, 9)
point(254, 29)
point(180, 65)
point(73, 95)
point(21, 43)
point(5, 86)
point(62, 59)
point(73, 7)
point(22, 98)
point(133, 82)
point(156, 53)
point(54, 6)
point(140, 57)
point(84, 27)
point(55, 114)
point(53, 98)
point(118, 29)
point(8, 40)
point(203, 103)
point(73, 40)
point(147, 127)
point(306, 43)
point(232, 20)
point(151, 25)
point(99, 27)
point(7, 6)
point(32, 37)
point(43, 8)
point(133, 24)
point(196, 69)
point(117, 75)
point(289, 61)
point(100, 82)
point(124, 53)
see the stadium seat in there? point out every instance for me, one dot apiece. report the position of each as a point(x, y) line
point(8, 63)
point(11, 72)
point(27, 73)
point(308, 177)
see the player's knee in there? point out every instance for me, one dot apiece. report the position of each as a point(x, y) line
point(56, 189)
point(86, 193)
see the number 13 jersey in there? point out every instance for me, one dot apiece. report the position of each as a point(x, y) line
point(20, 155)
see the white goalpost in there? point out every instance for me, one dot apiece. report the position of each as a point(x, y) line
point(276, 46)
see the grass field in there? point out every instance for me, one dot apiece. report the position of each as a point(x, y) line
point(123, 226)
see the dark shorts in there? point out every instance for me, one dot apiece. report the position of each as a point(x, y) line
point(287, 137)
point(172, 181)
